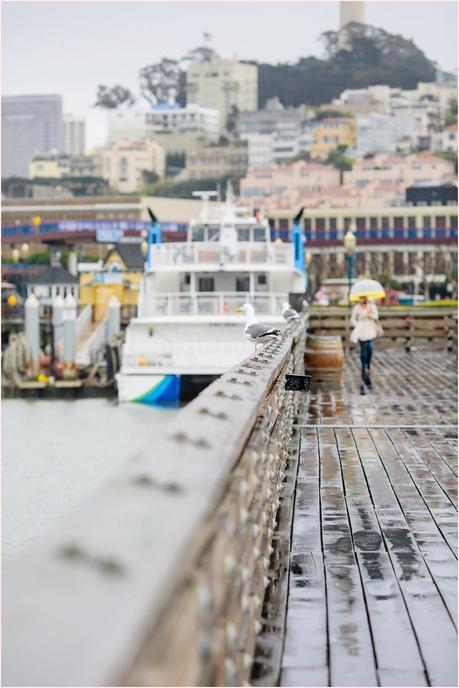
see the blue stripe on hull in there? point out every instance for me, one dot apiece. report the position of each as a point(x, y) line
point(165, 392)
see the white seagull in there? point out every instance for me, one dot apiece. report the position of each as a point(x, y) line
point(289, 313)
point(254, 331)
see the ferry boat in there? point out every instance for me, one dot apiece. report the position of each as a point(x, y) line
point(187, 332)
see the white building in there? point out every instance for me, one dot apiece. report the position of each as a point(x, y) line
point(124, 163)
point(428, 102)
point(74, 135)
point(223, 85)
point(445, 141)
point(265, 150)
point(379, 133)
point(169, 120)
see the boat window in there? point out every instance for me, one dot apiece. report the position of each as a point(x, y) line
point(198, 234)
point(212, 234)
point(261, 278)
point(243, 235)
point(206, 284)
point(258, 234)
point(243, 284)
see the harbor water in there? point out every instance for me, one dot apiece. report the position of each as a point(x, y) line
point(56, 454)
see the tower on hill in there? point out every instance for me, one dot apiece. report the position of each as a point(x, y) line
point(351, 11)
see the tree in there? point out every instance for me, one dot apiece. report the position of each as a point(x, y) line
point(372, 56)
point(338, 159)
point(160, 82)
point(110, 98)
point(231, 122)
point(323, 113)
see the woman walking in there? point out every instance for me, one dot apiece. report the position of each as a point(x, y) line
point(364, 319)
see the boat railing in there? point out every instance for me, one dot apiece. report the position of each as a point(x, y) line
point(210, 303)
point(208, 253)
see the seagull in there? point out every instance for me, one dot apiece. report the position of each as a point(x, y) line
point(289, 313)
point(255, 331)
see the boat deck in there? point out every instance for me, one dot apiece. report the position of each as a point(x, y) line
point(373, 568)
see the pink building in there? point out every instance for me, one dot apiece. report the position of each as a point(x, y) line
point(399, 172)
point(287, 181)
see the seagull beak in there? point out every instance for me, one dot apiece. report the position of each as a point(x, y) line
point(238, 310)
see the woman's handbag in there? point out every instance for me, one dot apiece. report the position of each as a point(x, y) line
point(379, 329)
point(354, 336)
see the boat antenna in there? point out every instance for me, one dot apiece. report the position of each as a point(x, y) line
point(205, 196)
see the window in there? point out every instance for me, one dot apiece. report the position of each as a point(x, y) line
point(198, 234)
point(187, 278)
point(206, 284)
point(333, 228)
point(243, 284)
point(385, 227)
point(262, 278)
point(243, 234)
point(258, 234)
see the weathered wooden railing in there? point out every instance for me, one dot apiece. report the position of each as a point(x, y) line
point(160, 579)
point(405, 327)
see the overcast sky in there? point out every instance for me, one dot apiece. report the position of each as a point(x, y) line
point(70, 47)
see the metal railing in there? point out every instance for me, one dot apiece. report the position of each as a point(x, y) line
point(166, 567)
point(210, 303)
point(208, 252)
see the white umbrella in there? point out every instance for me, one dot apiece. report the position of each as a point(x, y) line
point(367, 287)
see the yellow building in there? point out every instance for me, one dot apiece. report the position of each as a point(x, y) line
point(121, 277)
point(331, 133)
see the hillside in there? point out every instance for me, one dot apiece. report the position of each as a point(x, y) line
point(373, 57)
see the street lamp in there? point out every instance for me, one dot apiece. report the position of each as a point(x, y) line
point(24, 250)
point(350, 243)
point(144, 247)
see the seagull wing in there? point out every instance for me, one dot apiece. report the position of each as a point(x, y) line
point(290, 314)
point(259, 331)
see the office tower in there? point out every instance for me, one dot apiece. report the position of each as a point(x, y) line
point(31, 124)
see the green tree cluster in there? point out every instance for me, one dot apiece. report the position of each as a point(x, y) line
point(373, 56)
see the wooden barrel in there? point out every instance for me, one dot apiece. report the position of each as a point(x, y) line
point(324, 358)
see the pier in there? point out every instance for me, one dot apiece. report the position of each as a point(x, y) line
point(268, 537)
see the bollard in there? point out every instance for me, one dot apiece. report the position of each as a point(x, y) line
point(69, 336)
point(58, 319)
point(114, 317)
point(72, 264)
point(32, 330)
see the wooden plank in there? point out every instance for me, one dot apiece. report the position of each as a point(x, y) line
point(437, 641)
point(438, 557)
point(304, 660)
point(352, 661)
point(393, 636)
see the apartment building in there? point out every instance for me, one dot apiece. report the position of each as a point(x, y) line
point(124, 163)
point(74, 135)
point(380, 133)
point(274, 117)
point(222, 85)
point(445, 141)
point(57, 166)
point(216, 161)
point(331, 133)
point(165, 120)
point(399, 172)
point(299, 177)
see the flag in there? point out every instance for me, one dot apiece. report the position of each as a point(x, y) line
point(207, 36)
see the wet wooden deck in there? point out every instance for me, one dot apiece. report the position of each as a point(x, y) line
point(373, 566)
